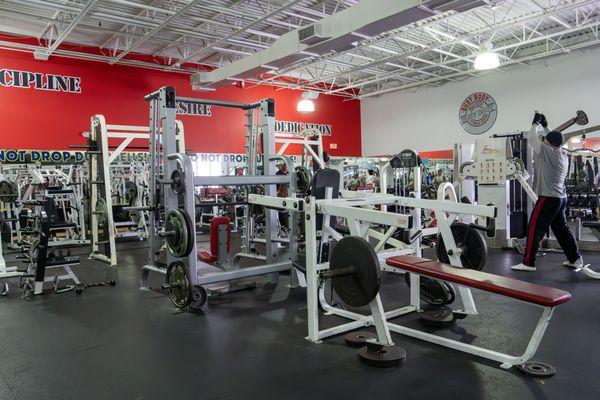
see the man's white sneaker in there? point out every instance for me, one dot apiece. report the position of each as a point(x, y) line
point(575, 265)
point(522, 267)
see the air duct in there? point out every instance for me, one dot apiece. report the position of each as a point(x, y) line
point(336, 32)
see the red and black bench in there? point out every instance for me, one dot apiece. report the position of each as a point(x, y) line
point(542, 296)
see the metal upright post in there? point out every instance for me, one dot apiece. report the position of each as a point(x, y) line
point(267, 114)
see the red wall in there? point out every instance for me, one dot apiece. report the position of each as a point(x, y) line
point(37, 119)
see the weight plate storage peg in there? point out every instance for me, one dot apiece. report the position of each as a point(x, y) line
point(178, 233)
point(178, 285)
point(354, 271)
point(470, 241)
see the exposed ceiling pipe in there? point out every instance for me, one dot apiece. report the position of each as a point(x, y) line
point(335, 32)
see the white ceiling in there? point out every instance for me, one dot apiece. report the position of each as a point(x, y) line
point(216, 32)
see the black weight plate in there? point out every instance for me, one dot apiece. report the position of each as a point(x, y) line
point(451, 293)
point(360, 288)
point(180, 293)
point(433, 292)
point(383, 357)
point(199, 297)
point(472, 242)
point(358, 339)
point(537, 369)
point(439, 317)
point(191, 236)
point(177, 181)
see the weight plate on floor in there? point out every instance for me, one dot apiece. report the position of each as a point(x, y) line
point(181, 242)
point(434, 292)
point(179, 288)
point(358, 339)
point(377, 355)
point(537, 369)
point(439, 317)
point(199, 297)
point(359, 288)
point(470, 241)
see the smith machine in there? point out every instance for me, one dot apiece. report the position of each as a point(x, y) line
point(172, 186)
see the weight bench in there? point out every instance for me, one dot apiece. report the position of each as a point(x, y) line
point(542, 296)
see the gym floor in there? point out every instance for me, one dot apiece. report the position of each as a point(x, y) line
point(121, 343)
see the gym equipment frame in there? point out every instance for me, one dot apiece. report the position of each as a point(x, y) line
point(101, 203)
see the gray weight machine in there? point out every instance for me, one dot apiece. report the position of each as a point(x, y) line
point(172, 189)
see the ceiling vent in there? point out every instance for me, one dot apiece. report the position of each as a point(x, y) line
point(312, 34)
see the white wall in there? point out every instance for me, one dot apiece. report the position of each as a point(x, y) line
point(427, 119)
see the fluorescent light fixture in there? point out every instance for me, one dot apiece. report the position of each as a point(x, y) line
point(487, 59)
point(306, 104)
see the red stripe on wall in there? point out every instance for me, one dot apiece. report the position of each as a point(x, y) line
point(38, 119)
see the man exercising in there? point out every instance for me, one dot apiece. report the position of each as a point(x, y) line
point(551, 165)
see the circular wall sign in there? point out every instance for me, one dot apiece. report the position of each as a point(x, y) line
point(478, 113)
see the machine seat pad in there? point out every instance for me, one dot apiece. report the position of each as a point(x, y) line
point(525, 291)
point(207, 256)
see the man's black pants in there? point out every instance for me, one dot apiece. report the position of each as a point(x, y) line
point(549, 212)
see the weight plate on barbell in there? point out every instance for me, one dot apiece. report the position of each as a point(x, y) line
point(470, 241)
point(178, 283)
point(303, 178)
point(362, 286)
point(180, 242)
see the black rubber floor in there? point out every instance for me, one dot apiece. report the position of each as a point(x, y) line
point(121, 343)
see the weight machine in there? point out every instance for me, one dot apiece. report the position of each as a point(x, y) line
point(358, 285)
point(172, 175)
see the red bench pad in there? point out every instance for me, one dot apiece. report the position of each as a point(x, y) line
point(529, 292)
point(207, 257)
